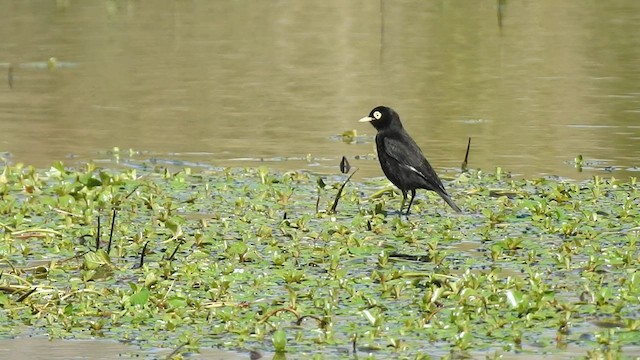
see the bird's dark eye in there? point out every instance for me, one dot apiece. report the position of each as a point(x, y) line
point(377, 115)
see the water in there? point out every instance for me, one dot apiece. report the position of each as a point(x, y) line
point(41, 348)
point(534, 83)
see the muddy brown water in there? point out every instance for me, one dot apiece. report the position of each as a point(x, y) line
point(534, 83)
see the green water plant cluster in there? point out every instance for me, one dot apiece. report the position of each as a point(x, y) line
point(265, 261)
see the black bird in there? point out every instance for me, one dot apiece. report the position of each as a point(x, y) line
point(401, 159)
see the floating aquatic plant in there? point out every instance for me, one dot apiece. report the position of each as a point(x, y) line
point(248, 259)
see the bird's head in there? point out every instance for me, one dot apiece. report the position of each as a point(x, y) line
point(382, 117)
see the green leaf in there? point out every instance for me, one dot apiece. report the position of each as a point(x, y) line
point(94, 260)
point(141, 297)
point(279, 340)
point(321, 183)
point(177, 302)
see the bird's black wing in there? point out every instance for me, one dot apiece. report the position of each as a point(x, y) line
point(407, 153)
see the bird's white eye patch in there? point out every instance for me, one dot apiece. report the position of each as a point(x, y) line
point(377, 115)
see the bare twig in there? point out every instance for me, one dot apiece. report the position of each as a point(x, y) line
point(98, 234)
point(466, 156)
point(335, 201)
point(113, 223)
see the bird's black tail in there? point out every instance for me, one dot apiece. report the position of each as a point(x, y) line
point(450, 202)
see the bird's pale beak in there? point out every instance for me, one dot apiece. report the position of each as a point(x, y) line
point(366, 119)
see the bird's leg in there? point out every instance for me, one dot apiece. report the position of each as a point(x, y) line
point(404, 198)
point(413, 196)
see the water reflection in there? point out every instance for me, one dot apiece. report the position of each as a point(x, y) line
point(279, 79)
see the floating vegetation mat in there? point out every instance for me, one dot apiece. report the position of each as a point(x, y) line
point(275, 263)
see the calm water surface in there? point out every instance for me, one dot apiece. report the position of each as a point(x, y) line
point(534, 83)
point(41, 348)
